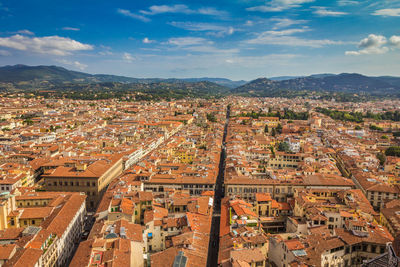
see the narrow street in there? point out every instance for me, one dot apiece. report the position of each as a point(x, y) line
point(213, 246)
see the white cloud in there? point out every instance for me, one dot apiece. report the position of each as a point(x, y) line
point(198, 45)
point(211, 11)
point(71, 29)
point(249, 23)
point(285, 37)
point(324, 12)
point(75, 64)
point(129, 14)
point(285, 22)
point(208, 49)
point(188, 41)
point(279, 5)
point(106, 50)
point(387, 12)
point(5, 53)
point(154, 10)
point(373, 44)
point(372, 41)
point(106, 53)
point(183, 9)
point(395, 41)
point(53, 45)
point(347, 2)
point(79, 65)
point(26, 32)
point(128, 57)
point(217, 30)
point(147, 41)
point(287, 31)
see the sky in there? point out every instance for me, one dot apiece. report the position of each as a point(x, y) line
point(235, 39)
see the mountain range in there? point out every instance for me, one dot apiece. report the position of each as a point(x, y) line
point(56, 75)
point(24, 77)
point(345, 83)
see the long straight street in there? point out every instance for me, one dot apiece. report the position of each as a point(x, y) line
point(213, 247)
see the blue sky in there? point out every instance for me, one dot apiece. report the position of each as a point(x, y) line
point(236, 39)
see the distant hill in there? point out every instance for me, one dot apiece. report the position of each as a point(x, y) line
point(221, 81)
point(395, 81)
point(345, 82)
point(56, 75)
point(24, 77)
point(23, 73)
point(284, 78)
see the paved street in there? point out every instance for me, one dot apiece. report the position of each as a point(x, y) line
point(213, 247)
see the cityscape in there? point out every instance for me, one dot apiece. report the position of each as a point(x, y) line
point(200, 133)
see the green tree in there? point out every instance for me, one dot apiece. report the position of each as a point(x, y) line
point(279, 128)
point(211, 117)
point(375, 128)
point(393, 151)
point(272, 150)
point(28, 122)
point(382, 158)
point(283, 146)
point(266, 128)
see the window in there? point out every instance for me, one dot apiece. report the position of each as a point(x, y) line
point(33, 221)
